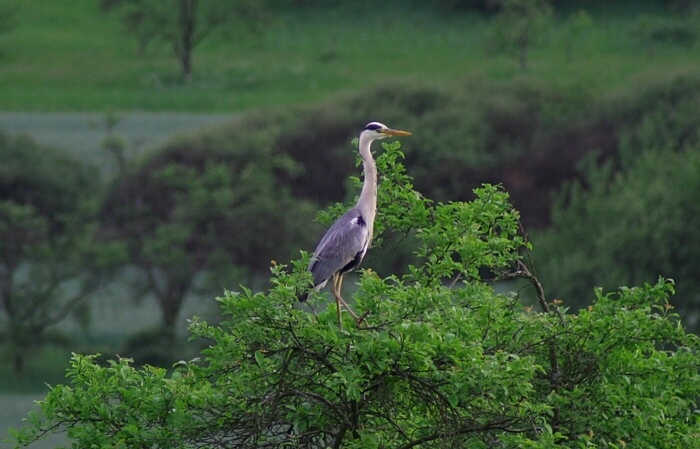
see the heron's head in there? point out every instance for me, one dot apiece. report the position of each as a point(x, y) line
point(376, 130)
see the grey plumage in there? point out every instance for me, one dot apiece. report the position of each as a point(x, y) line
point(344, 245)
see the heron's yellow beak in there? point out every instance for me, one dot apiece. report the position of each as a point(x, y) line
point(395, 132)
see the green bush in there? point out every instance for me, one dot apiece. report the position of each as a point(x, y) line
point(627, 228)
point(628, 220)
point(197, 213)
point(444, 362)
point(231, 192)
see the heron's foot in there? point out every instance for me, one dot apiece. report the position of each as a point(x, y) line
point(361, 319)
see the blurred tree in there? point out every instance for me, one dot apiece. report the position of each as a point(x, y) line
point(638, 212)
point(519, 25)
point(51, 260)
point(628, 228)
point(113, 144)
point(184, 24)
point(199, 217)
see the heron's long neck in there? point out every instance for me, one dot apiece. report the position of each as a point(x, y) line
point(368, 196)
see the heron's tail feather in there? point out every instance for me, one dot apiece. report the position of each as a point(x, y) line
point(303, 297)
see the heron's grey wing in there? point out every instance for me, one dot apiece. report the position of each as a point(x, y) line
point(345, 241)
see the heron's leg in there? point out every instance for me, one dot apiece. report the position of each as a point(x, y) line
point(337, 279)
point(337, 284)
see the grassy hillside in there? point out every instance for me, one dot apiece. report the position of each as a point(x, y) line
point(68, 56)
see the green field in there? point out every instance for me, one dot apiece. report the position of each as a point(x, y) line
point(68, 56)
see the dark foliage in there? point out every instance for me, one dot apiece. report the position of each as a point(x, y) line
point(46, 179)
point(50, 257)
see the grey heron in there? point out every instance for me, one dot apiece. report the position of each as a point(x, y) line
point(345, 243)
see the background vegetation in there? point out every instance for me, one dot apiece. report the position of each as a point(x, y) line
point(596, 110)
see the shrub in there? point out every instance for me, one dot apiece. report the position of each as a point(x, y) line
point(627, 228)
point(209, 204)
